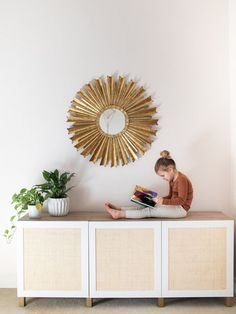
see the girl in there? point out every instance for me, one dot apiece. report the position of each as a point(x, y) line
point(175, 205)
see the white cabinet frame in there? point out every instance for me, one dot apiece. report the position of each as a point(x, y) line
point(83, 226)
point(156, 226)
point(229, 225)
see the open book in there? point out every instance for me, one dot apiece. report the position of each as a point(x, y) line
point(143, 196)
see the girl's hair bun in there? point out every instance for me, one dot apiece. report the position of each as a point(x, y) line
point(165, 161)
point(165, 154)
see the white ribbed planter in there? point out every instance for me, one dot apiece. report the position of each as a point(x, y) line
point(58, 206)
point(33, 212)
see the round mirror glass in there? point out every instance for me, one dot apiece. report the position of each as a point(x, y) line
point(112, 121)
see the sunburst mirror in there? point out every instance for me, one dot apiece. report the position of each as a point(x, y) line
point(112, 121)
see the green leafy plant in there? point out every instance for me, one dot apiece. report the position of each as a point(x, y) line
point(22, 200)
point(56, 184)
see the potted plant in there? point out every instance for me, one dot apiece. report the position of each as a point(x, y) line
point(55, 189)
point(30, 200)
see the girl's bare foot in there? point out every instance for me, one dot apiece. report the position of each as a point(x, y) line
point(113, 206)
point(115, 213)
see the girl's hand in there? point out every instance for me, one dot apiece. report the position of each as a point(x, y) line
point(158, 200)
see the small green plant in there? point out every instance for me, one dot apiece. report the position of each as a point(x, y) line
point(22, 200)
point(56, 184)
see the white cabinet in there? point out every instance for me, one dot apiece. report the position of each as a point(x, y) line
point(91, 255)
point(125, 259)
point(197, 258)
point(52, 259)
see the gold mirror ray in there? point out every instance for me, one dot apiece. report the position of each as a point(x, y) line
point(92, 101)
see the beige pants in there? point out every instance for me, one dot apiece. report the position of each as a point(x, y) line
point(162, 211)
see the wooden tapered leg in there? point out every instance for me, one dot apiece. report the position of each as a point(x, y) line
point(21, 302)
point(161, 302)
point(228, 301)
point(89, 302)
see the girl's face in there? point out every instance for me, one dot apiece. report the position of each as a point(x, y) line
point(167, 174)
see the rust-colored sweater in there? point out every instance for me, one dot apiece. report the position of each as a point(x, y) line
point(181, 192)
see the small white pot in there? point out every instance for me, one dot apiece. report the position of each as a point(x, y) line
point(58, 206)
point(33, 212)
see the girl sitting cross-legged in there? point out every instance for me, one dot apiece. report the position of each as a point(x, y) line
point(175, 205)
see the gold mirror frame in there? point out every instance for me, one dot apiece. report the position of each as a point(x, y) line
point(115, 93)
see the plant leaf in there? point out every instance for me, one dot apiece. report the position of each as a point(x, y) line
point(46, 175)
point(12, 218)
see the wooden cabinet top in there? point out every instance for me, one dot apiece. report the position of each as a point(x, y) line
point(104, 216)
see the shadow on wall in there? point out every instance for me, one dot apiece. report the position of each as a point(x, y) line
point(79, 194)
point(208, 171)
point(86, 195)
